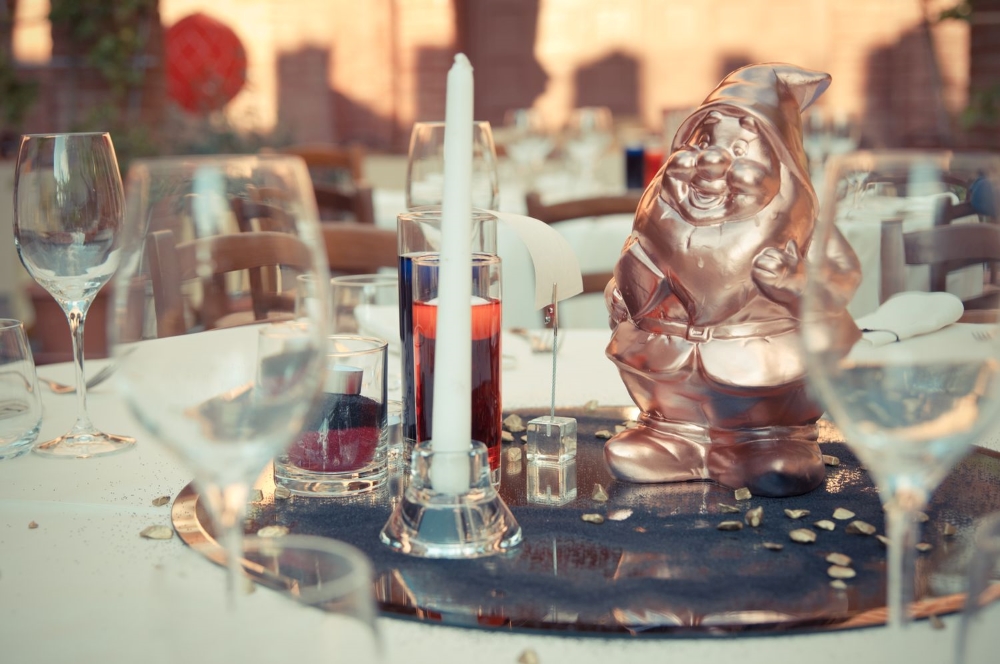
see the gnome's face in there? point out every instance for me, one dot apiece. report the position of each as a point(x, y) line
point(727, 169)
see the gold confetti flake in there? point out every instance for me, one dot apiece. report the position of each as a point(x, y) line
point(730, 525)
point(922, 517)
point(924, 547)
point(841, 572)
point(273, 531)
point(949, 530)
point(161, 501)
point(831, 460)
point(754, 517)
point(825, 524)
point(802, 536)
point(32, 525)
point(256, 495)
point(157, 532)
point(528, 656)
point(839, 559)
point(838, 584)
point(883, 540)
point(506, 436)
point(742, 493)
point(599, 495)
point(619, 515)
point(796, 514)
point(773, 546)
point(592, 518)
point(514, 423)
point(860, 528)
point(282, 493)
point(591, 405)
point(603, 434)
point(729, 509)
point(514, 454)
point(842, 514)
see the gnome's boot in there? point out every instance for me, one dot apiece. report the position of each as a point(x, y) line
point(770, 461)
point(658, 451)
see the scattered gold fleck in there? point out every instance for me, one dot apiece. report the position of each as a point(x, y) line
point(161, 501)
point(838, 584)
point(728, 509)
point(630, 424)
point(506, 436)
point(754, 517)
point(922, 517)
point(32, 525)
point(157, 532)
point(603, 433)
point(599, 495)
point(514, 454)
point(831, 460)
point(592, 518)
point(859, 528)
point(591, 405)
point(883, 540)
point(773, 546)
point(803, 536)
point(619, 428)
point(524, 439)
point(730, 525)
point(256, 495)
point(282, 493)
point(796, 514)
point(639, 529)
point(842, 514)
point(949, 530)
point(528, 656)
point(825, 524)
point(249, 587)
point(514, 423)
point(838, 559)
point(273, 531)
point(743, 493)
point(924, 547)
point(841, 572)
point(619, 515)
point(935, 621)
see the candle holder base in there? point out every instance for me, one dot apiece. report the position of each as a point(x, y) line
point(438, 522)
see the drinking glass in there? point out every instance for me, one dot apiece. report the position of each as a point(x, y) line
point(589, 134)
point(20, 401)
point(425, 166)
point(914, 389)
point(69, 209)
point(368, 304)
point(213, 362)
point(976, 639)
point(527, 141)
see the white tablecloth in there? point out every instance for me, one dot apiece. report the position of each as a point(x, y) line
point(84, 587)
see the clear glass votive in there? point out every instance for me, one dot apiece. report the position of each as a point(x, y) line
point(20, 401)
point(486, 351)
point(343, 449)
point(418, 233)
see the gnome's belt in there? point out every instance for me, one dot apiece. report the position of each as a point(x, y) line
point(699, 333)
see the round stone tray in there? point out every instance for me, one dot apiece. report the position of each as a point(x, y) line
point(658, 565)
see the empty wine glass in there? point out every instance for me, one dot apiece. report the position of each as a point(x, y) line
point(589, 134)
point(527, 141)
point(916, 387)
point(425, 166)
point(69, 208)
point(217, 271)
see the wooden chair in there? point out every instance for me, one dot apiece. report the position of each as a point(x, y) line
point(338, 180)
point(599, 206)
point(172, 265)
point(355, 248)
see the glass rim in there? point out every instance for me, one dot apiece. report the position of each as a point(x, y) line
point(441, 123)
point(204, 159)
point(376, 345)
point(364, 279)
point(478, 259)
point(425, 213)
point(340, 587)
point(58, 134)
point(10, 323)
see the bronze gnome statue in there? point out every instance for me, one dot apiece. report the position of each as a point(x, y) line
point(704, 300)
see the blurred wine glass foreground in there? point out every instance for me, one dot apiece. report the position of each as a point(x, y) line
point(425, 166)
point(68, 218)
point(214, 249)
point(920, 382)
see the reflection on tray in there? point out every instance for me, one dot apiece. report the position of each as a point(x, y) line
point(664, 567)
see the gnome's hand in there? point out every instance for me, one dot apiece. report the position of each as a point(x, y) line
point(780, 274)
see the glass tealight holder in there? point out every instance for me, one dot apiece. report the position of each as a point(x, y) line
point(551, 439)
point(551, 483)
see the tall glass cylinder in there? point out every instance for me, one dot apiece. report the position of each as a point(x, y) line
point(419, 233)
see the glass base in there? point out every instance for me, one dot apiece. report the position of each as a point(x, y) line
point(84, 445)
point(331, 485)
point(442, 523)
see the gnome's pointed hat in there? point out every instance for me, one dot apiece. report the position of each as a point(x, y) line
point(774, 93)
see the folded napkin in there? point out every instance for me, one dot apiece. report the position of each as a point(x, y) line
point(909, 314)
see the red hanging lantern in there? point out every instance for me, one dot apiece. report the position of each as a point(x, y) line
point(206, 63)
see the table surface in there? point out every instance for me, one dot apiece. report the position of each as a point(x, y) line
point(83, 586)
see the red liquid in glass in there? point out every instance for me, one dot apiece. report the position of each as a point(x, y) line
point(344, 436)
point(486, 410)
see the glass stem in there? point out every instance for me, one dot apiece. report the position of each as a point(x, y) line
point(230, 506)
point(901, 525)
point(75, 316)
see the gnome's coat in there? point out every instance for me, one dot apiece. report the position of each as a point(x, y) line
point(704, 300)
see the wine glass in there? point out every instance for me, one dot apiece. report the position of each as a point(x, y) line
point(425, 166)
point(215, 247)
point(527, 141)
point(69, 209)
point(589, 134)
point(918, 385)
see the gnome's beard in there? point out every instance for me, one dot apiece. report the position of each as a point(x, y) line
point(741, 191)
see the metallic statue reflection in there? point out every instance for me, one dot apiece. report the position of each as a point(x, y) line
point(704, 300)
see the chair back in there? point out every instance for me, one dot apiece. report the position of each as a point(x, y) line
point(355, 248)
point(337, 174)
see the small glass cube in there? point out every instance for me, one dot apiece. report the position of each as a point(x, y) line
point(551, 439)
point(552, 483)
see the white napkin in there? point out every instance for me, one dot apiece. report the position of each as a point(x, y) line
point(909, 314)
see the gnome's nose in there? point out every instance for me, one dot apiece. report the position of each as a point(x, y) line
point(713, 163)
